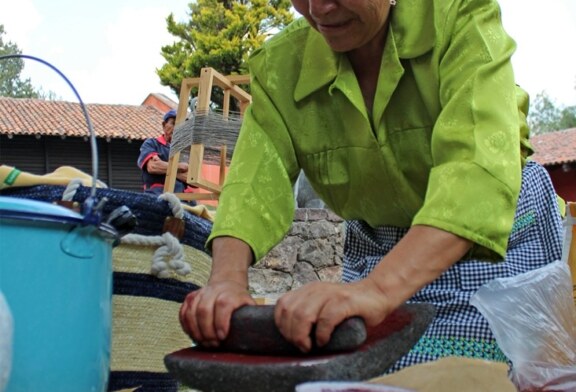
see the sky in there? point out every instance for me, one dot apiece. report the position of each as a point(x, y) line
point(110, 49)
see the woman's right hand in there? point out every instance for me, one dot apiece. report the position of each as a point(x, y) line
point(205, 314)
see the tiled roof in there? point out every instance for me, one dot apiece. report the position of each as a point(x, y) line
point(162, 97)
point(555, 148)
point(59, 118)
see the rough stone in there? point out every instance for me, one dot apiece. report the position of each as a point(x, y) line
point(303, 273)
point(299, 229)
point(315, 238)
point(332, 217)
point(301, 214)
point(213, 371)
point(321, 229)
point(315, 214)
point(319, 253)
point(330, 274)
point(264, 281)
point(283, 257)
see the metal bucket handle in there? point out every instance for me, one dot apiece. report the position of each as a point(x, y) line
point(91, 210)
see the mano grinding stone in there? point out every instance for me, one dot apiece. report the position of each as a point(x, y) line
point(253, 330)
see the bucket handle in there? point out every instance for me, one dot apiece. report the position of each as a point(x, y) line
point(92, 216)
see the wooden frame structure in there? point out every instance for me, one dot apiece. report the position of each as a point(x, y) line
point(209, 77)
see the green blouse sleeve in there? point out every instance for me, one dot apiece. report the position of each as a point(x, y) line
point(475, 180)
point(257, 202)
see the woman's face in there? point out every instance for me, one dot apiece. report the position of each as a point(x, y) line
point(346, 24)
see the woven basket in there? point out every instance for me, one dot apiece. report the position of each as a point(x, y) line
point(145, 324)
point(149, 211)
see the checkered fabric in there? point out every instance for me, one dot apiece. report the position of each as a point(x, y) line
point(459, 329)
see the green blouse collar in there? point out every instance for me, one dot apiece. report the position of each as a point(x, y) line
point(412, 34)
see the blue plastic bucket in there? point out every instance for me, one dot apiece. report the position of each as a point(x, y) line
point(56, 276)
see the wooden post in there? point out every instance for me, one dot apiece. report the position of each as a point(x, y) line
point(208, 78)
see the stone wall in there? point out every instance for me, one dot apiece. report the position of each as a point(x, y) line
point(311, 251)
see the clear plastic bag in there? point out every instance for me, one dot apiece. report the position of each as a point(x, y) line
point(533, 318)
point(569, 248)
point(6, 328)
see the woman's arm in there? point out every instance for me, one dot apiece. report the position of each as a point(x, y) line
point(422, 255)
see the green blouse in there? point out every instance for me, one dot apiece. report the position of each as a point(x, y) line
point(441, 147)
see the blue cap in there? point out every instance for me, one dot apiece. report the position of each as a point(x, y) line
point(169, 114)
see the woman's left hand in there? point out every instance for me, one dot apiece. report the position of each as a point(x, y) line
point(326, 305)
point(422, 255)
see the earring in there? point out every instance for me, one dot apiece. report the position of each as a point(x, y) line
point(392, 3)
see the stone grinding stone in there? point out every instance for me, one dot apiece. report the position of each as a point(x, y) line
point(219, 371)
point(253, 330)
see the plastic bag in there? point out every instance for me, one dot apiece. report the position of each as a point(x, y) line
point(6, 328)
point(569, 248)
point(533, 318)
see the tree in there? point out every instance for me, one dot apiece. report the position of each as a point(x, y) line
point(11, 85)
point(220, 34)
point(568, 118)
point(545, 116)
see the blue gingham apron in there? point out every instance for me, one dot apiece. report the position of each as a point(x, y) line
point(458, 328)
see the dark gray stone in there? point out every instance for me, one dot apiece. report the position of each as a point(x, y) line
point(217, 371)
point(319, 253)
point(315, 214)
point(300, 229)
point(282, 257)
point(303, 273)
point(253, 330)
point(300, 214)
point(321, 229)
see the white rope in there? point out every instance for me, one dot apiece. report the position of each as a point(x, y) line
point(169, 256)
point(170, 253)
point(174, 202)
point(71, 189)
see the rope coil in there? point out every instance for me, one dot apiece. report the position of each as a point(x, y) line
point(170, 253)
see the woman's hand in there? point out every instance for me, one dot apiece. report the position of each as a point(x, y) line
point(326, 305)
point(422, 255)
point(205, 313)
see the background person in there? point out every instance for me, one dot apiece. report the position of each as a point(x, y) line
point(408, 123)
point(153, 160)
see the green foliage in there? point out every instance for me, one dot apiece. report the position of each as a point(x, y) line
point(568, 119)
point(11, 85)
point(545, 116)
point(220, 34)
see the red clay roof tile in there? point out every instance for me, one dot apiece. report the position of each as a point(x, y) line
point(555, 148)
point(59, 118)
